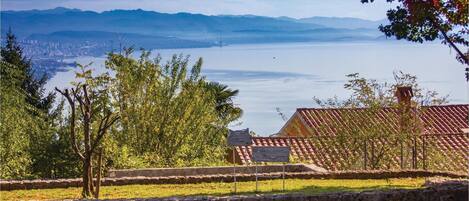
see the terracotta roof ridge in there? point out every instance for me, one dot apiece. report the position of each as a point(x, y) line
point(300, 137)
point(448, 105)
point(387, 107)
point(267, 137)
point(344, 108)
point(444, 134)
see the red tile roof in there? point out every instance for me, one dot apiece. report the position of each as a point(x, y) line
point(441, 125)
point(444, 119)
point(451, 150)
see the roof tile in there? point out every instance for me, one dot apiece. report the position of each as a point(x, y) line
point(441, 119)
point(453, 147)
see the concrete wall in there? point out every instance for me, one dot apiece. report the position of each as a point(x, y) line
point(200, 171)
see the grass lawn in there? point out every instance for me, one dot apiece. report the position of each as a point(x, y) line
point(309, 186)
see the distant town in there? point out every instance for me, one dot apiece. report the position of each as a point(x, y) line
point(50, 57)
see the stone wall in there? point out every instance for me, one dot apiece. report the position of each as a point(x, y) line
point(65, 183)
point(201, 171)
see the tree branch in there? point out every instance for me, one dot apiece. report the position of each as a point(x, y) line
point(451, 43)
point(80, 101)
point(87, 120)
point(87, 98)
point(103, 128)
point(75, 148)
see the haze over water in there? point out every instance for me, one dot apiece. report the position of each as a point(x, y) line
point(288, 75)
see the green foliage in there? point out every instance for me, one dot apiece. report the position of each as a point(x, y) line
point(122, 157)
point(32, 142)
point(372, 93)
point(224, 101)
point(53, 157)
point(14, 126)
point(370, 140)
point(13, 54)
point(32, 86)
point(169, 115)
point(422, 20)
point(26, 122)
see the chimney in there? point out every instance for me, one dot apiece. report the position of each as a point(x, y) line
point(404, 95)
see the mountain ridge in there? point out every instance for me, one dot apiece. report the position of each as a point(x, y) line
point(61, 19)
point(58, 33)
point(65, 9)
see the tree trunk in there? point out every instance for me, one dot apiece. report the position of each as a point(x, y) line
point(87, 179)
point(86, 156)
point(90, 177)
point(98, 179)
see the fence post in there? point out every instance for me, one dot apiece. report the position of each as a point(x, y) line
point(372, 161)
point(234, 169)
point(402, 156)
point(283, 177)
point(257, 182)
point(424, 152)
point(365, 155)
point(414, 153)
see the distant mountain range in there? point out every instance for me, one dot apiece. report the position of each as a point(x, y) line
point(343, 22)
point(140, 27)
point(49, 36)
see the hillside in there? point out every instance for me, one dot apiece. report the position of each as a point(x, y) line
point(229, 29)
point(49, 36)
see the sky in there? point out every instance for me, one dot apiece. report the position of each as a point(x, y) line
point(273, 8)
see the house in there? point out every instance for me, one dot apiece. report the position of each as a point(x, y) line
point(441, 135)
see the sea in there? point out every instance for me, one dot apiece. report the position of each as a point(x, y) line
point(275, 79)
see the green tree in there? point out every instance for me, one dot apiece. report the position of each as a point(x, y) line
point(370, 92)
point(12, 54)
point(425, 20)
point(17, 71)
point(169, 117)
point(33, 87)
point(52, 155)
point(225, 107)
point(19, 82)
point(15, 122)
point(90, 97)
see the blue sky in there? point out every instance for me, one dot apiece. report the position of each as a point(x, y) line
point(291, 8)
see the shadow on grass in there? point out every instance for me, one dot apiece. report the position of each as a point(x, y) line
point(311, 190)
point(307, 190)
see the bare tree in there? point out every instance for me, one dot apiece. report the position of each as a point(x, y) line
point(85, 148)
